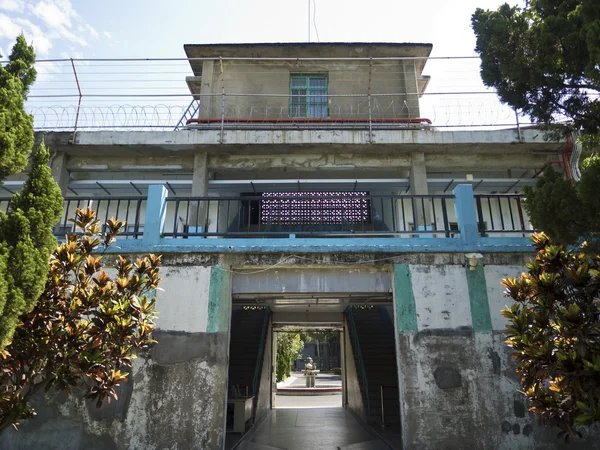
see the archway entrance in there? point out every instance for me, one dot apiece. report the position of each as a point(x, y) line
point(350, 340)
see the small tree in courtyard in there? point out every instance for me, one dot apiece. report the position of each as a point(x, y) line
point(85, 328)
point(289, 346)
point(554, 331)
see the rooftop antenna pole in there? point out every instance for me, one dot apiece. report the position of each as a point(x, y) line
point(308, 20)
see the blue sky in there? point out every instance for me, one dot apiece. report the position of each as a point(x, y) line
point(158, 28)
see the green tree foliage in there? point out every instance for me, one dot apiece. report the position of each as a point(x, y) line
point(26, 239)
point(16, 126)
point(289, 348)
point(544, 59)
point(86, 327)
point(568, 211)
point(554, 331)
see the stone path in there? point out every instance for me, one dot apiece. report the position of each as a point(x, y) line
point(314, 429)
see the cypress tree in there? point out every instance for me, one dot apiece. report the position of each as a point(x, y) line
point(26, 239)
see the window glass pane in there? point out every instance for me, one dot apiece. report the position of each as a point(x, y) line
point(308, 96)
point(318, 82)
point(298, 81)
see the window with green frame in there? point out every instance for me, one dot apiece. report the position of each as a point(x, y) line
point(308, 95)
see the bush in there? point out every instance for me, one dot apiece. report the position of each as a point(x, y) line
point(554, 331)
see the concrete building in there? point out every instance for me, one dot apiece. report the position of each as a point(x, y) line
point(307, 190)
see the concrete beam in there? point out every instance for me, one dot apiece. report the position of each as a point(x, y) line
point(418, 174)
point(60, 173)
point(418, 186)
point(323, 161)
point(312, 281)
point(198, 211)
point(200, 175)
point(395, 142)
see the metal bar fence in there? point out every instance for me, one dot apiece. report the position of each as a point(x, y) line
point(321, 215)
point(128, 209)
point(365, 89)
point(502, 214)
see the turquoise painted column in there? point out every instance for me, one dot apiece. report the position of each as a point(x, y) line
point(404, 299)
point(466, 214)
point(480, 307)
point(219, 300)
point(156, 209)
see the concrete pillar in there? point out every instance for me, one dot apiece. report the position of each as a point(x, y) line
point(466, 214)
point(274, 370)
point(411, 87)
point(418, 186)
point(207, 103)
point(156, 210)
point(60, 172)
point(198, 219)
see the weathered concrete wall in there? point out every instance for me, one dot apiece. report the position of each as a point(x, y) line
point(354, 400)
point(263, 401)
point(458, 386)
point(176, 396)
point(269, 84)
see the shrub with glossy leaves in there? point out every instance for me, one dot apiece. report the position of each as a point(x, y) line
point(86, 327)
point(554, 331)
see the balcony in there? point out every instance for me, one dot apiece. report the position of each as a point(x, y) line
point(278, 223)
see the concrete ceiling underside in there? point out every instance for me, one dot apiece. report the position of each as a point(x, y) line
point(317, 311)
point(312, 303)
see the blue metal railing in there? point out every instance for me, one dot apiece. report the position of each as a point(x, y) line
point(189, 113)
point(358, 357)
point(261, 351)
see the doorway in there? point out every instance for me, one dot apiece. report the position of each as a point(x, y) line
point(308, 368)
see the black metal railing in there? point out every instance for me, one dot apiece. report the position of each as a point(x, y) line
point(502, 213)
point(128, 209)
point(312, 216)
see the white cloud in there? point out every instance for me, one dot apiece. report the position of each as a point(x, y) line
point(58, 19)
point(35, 36)
point(53, 15)
point(92, 31)
point(46, 70)
point(72, 37)
point(12, 5)
point(107, 34)
point(11, 28)
point(8, 28)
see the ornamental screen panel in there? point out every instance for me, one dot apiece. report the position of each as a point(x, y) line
point(311, 208)
point(308, 96)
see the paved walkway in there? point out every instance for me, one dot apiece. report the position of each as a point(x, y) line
point(309, 401)
point(298, 380)
point(314, 429)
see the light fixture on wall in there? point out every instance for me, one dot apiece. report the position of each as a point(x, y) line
point(473, 259)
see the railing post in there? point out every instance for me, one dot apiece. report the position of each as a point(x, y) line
point(156, 209)
point(466, 214)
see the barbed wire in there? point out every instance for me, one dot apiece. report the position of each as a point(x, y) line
point(120, 93)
